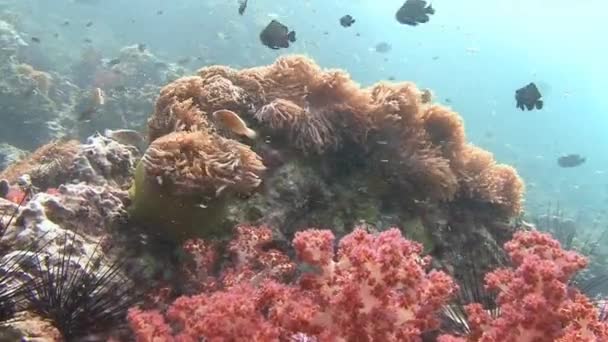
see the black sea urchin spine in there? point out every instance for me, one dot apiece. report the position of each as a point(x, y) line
point(81, 301)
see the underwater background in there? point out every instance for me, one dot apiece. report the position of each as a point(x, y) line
point(471, 55)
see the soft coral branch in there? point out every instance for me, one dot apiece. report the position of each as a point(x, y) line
point(535, 301)
point(373, 288)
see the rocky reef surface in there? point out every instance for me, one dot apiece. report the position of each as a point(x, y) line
point(326, 154)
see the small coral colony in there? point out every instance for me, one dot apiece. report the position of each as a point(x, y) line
point(282, 202)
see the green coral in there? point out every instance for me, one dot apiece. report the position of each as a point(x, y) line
point(154, 205)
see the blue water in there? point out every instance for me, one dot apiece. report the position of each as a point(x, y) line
point(484, 51)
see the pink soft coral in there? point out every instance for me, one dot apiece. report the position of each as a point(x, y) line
point(374, 289)
point(535, 302)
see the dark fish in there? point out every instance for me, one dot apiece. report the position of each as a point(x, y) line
point(414, 12)
point(5, 187)
point(87, 40)
point(87, 114)
point(242, 6)
point(114, 62)
point(141, 47)
point(383, 47)
point(435, 58)
point(89, 24)
point(347, 20)
point(35, 39)
point(277, 35)
point(56, 35)
point(66, 23)
point(159, 12)
point(391, 78)
point(528, 97)
point(570, 160)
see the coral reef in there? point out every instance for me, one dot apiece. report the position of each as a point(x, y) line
point(372, 287)
point(370, 279)
point(421, 146)
point(10, 154)
point(47, 166)
point(102, 160)
point(87, 209)
point(99, 161)
point(10, 40)
point(68, 234)
point(182, 175)
point(130, 86)
point(536, 283)
point(337, 154)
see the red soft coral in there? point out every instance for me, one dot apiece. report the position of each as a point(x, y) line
point(374, 289)
point(535, 302)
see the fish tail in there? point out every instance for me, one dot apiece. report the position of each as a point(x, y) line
point(291, 36)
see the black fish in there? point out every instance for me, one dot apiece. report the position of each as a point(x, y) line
point(242, 6)
point(414, 12)
point(113, 62)
point(66, 23)
point(570, 160)
point(141, 47)
point(89, 24)
point(35, 39)
point(277, 35)
point(528, 97)
point(159, 12)
point(347, 20)
point(87, 40)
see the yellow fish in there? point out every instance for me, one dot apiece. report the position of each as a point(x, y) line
point(233, 122)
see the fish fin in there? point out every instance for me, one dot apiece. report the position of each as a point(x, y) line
point(291, 36)
point(429, 9)
point(539, 104)
point(251, 134)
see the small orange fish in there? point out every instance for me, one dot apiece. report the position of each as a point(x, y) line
point(233, 122)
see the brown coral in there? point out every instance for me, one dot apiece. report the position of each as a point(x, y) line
point(48, 166)
point(42, 80)
point(419, 145)
point(484, 180)
point(307, 131)
point(203, 163)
